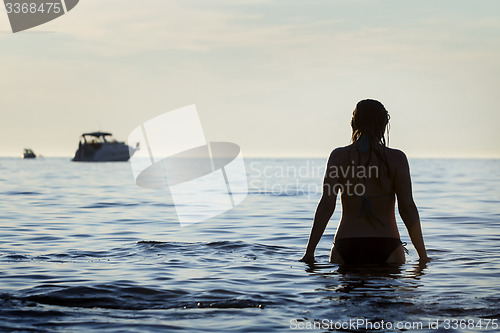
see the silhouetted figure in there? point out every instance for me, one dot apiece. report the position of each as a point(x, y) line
point(369, 177)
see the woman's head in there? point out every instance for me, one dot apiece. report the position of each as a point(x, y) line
point(369, 120)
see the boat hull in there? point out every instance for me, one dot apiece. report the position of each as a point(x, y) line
point(110, 152)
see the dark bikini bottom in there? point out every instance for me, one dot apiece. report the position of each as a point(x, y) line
point(366, 250)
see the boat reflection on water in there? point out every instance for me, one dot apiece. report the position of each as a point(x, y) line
point(102, 147)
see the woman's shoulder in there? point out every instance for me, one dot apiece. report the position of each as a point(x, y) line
point(393, 152)
point(342, 150)
point(345, 150)
point(340, 153)
point(395, 156)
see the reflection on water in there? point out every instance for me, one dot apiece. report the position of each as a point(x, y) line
point(83, 248)
point(366, 289)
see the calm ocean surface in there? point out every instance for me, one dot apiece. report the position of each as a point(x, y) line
point(82, 248)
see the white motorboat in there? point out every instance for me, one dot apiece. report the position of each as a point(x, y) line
point(102, 147)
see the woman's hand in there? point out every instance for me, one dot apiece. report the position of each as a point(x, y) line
point(424, 260)
point(308, 258)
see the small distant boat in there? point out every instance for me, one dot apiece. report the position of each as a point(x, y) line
point(101, 147)
point(28, 153)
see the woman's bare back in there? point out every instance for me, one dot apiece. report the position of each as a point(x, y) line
point(367, 192)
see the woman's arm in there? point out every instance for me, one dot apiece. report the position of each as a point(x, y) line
point(324, 212)
point(407, 208)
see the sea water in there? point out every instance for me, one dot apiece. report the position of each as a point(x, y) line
point(82, 248)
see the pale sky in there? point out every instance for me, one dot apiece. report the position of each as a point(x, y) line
point(279, 78)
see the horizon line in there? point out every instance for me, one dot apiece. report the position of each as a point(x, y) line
point(299, 157)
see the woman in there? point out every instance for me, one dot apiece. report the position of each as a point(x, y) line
point(369, 176)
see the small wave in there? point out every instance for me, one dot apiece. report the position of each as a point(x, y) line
point(230, 304)
point(227, 245)
point(107, 296)
point(130, 297)
point(22, 193)
point(15, 257)
point(109, 204)
point(70, 256)
point(219, 246)
point(151, 242)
